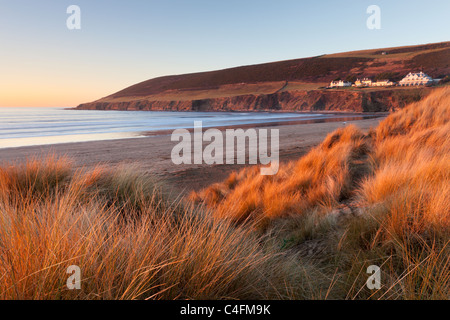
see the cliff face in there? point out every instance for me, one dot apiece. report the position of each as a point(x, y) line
point(313, 100)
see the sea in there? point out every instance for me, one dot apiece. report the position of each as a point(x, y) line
point(21, 127)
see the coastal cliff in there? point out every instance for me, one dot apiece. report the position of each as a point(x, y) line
point(313, 100)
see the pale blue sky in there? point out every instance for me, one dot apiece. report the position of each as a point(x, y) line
point(124, 42)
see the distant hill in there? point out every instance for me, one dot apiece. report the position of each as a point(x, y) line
point(262, 85)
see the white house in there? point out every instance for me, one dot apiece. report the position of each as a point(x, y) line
point(383, 83)
point(340, 83)
point(416, 79)
point(365, 82)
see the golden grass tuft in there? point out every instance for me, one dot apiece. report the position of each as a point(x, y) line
point(52, 217)
point(325, 176)
point(408, 200)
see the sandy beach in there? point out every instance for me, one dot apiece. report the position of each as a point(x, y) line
point(153, 154)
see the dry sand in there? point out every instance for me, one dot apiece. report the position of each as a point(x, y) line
point(153, 154)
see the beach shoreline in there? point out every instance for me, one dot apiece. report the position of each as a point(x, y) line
point(46, 126)
point(152, 154)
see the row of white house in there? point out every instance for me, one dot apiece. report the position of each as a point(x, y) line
point(412, 79)
point(369, 83)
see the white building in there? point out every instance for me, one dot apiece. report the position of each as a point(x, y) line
point(383, 83)
point(365, 82)
point(416, 79)
point(340, 83)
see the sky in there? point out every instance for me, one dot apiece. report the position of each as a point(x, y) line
point(120, 43)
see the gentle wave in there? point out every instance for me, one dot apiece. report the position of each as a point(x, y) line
point(38, 126)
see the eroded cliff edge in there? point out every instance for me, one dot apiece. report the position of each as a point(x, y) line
point(308, 100)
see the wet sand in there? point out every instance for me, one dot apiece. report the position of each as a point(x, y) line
point(153, 153)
